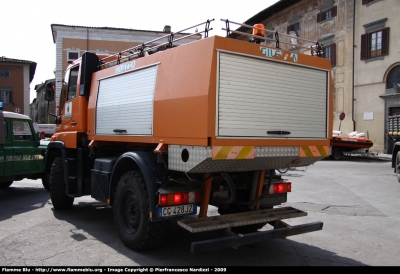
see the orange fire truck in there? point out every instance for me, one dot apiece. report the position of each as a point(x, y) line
point(163, 132)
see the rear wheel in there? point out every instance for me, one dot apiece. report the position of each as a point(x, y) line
point(336, 154)
point(131, 214)
point(5, 184)
point(58, 195)
point(398, 166)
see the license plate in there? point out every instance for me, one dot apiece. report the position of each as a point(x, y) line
point(169, 211)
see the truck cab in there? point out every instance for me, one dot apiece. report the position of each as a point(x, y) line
point(21, 154)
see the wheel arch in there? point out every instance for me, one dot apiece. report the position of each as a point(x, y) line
point(54, 149)
point(146, 162)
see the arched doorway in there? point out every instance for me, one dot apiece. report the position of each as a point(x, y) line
point(393, 79)
point(392, 102)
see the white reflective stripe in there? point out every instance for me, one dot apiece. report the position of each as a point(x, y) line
point(21, 158)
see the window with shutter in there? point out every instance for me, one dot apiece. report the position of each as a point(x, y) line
point(6, 96)
point(329, 52)
point(375, 42)
point(73, 55)
point(326, 14)
point(294, 25)
point(378, 43)
point(4, 73)
point(366, 2)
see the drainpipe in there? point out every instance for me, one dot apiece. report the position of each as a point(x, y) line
point(352, 95)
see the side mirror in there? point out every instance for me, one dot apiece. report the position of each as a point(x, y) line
point(49, 92)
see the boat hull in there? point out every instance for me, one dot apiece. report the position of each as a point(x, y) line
point(348, 144)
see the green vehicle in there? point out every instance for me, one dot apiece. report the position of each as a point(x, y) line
point(21, 150)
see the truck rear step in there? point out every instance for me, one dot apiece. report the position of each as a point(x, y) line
point(228, 238)
point(233, 240)
point(240, 219)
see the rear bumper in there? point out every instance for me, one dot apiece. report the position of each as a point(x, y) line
point(235, 240)
point(226, 238)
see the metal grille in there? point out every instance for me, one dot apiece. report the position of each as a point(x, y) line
point(393, 77)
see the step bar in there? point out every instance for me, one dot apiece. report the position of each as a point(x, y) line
point(228, 238)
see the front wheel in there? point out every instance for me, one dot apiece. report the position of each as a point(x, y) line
point(397, 167)
point(131, 214)
point(46, 181)
point(58, 195)
point(5, 184)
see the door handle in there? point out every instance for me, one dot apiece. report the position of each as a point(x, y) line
point(119, 130)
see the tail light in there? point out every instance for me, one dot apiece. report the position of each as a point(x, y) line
point(179, 198)
point(280, 188)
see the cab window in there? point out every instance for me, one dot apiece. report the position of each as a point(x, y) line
point(5, 130)
point(22, 131)
point(72, 82)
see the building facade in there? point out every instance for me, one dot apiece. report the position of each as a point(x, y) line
point(43, 108)
point(15, 78)
point(376, 69)
point(355, 35)
point(72, 41)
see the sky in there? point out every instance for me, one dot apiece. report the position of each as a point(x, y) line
point(26, 30)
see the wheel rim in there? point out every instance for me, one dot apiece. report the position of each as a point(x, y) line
point(336, 154)
point(131, 212)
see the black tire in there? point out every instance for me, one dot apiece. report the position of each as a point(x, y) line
point(46, 181)
point(397, 166)
point(131, 214)
point(336, 154)
point(5, 184)
point(58, 194)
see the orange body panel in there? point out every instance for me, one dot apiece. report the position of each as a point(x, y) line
point(70, 139)
point(185, 97)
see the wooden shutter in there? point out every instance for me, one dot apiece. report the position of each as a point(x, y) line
point(385, 41)
point(318, 17)
point(334, 11)
point(364, 47)
point(333, 54)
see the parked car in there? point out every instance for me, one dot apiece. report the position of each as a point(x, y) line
point(21, 150)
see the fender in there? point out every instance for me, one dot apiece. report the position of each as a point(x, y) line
point(147, 163)
point(54, 149)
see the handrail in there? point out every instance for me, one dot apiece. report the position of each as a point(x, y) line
point(141, 49)
point(317, 47)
